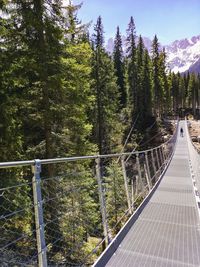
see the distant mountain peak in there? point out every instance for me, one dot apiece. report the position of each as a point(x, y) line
point(181, 54)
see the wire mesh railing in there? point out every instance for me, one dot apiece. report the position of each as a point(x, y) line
point(18, 243)
point(194, 158)
point(66, 211)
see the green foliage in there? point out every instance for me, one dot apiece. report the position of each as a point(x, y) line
point(158, 90)
point(116, 196)
point(119, 68)
point(61, 95)
point(147, 85)
point(106, 129)
point(78, 100)
point(45, 90)
point(131, 64)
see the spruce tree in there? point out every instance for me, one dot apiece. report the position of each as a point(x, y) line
point(182, 96)
point(139, 79)
point(119, 68)
point(46, 97)
point(147, 84)
point(198, 93)
point(106, 134)
point(13, 82)
point(192, 91)
point(131, 56)
point(166, 101)
point(175, 92)
point(157, 79)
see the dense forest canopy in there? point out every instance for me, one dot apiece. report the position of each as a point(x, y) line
point(62, 94)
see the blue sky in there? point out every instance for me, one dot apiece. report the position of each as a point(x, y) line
point(170, 19)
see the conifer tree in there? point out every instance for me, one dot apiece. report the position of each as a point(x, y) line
point(107, 96)
point(131, 56)
point(116, 200)
point(144, 84)
point(147, 84)
point(182, 95)
point(175, 92)
point(198, 93)
point(119, 67)
point(139, 78)
point(157, 79)
point(166, 101)
point(13, 83)
point(192, 91)
point(50, 80)
point(11, 136)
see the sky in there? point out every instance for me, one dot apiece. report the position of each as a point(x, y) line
point(170, 19)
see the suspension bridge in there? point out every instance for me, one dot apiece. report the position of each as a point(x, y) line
point(167, 231)
point(146, 206)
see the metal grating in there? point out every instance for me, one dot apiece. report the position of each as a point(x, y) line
point(167, 231)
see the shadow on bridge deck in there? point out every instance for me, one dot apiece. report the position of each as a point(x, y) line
point(166, 233)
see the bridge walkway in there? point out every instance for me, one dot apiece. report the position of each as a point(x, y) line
point(167, 231)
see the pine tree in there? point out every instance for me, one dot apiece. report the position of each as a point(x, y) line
point(147, 85)
point(164, 82)
point(139, 79)
point(192, 91)
point(198, 93)
point(157, 79)
point(175, 92)
point(115, 197)
point(169, 79)
point(131, 55)
point(12, 83)
point(49, 73)
point(106, 134)
point(182, 96)
point(10, 91)
point(119, 67)
point(73, 139)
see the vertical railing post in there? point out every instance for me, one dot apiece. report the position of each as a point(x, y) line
point(157, 159)
point(139, 169)
point(147, 171)
point(136, 185)
point(166, 151)
point(132, 194)
point(161, 158)
point(163, 152)
point(39, 221)
point(102, 201)
point(126, 185)
point(163, 155)
point(153, 162)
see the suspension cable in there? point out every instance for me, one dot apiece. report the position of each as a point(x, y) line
point(129, 134)
point(139, 142)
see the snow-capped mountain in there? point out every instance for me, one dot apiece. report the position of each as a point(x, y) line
point(182, 55)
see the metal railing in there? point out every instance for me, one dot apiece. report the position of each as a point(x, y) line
point(194, 158)
point(66, 211)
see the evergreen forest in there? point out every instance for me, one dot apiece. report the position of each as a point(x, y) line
point(62, 95)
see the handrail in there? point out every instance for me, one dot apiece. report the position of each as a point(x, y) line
point(70, 159)
point(110, 250)
point(48, 195)
point(197, 150)
point(194, 160)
